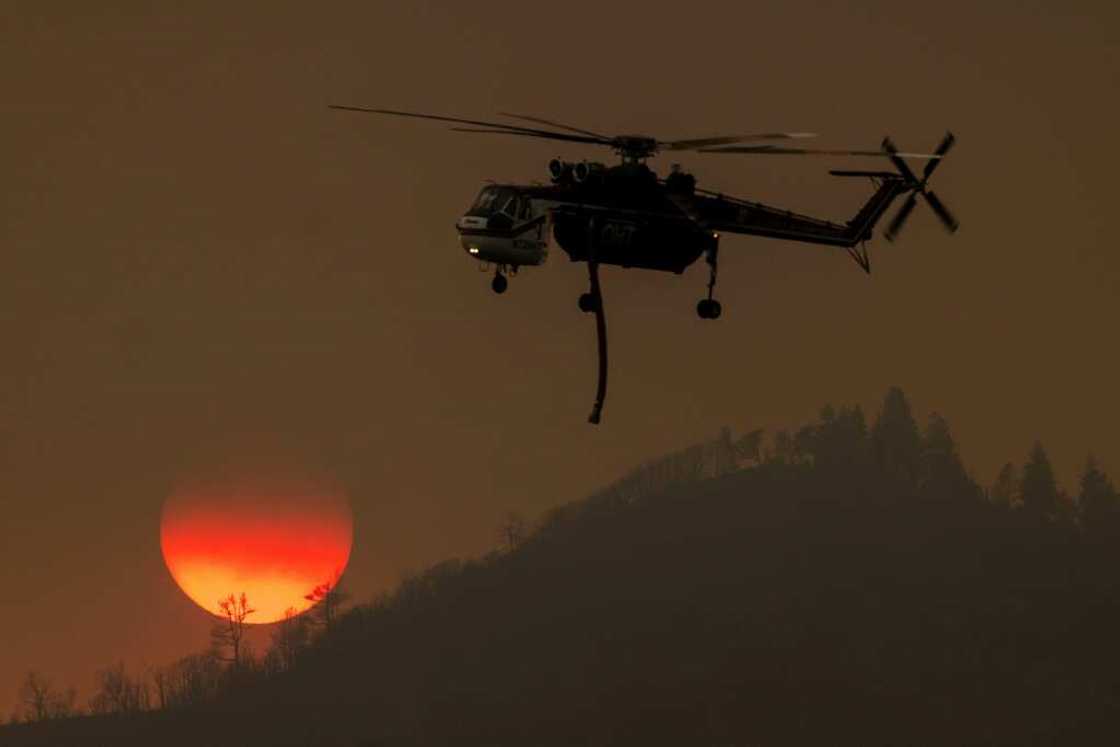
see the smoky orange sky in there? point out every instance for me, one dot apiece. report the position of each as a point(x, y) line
point(204, 266)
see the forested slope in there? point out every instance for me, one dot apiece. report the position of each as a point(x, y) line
point(847, 585)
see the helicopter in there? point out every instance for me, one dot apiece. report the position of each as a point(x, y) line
point(628, 216)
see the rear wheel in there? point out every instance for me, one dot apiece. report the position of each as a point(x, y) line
point(588, 302)
point(499, 283)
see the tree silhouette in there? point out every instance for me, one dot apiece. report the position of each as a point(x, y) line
point(895, 438)
point(846, 439)
point(1097, 498)
point(512, 531)
point(42, 701)
point(784, 450)
point(326, 599)
point(749, 446)
point(189, 681)
point(722, 457)
point(837, 443)
point(289, 639)
point(942, 472)
point(1039, 490)
point(117, 692)
point(1005, 490)
point(230, 632)
point(161, 683)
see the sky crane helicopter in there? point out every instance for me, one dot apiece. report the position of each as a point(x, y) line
point(626, 215)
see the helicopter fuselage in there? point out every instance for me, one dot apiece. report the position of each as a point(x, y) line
point(614, 216)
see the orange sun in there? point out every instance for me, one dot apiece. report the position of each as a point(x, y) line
point(274, 542)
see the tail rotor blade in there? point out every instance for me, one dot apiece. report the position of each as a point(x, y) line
point(943, 213)
point(945, 146)
point(892, 152)
point(901, 216)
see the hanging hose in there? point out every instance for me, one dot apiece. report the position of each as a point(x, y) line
point(595, 297)
point(601, 329)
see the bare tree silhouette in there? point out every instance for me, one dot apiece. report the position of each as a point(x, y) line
point(161, 681)
point(289, 638)
point(230, 632)
point(42, 701)
point(117, 692)
point(193, 679)
point(512, 531)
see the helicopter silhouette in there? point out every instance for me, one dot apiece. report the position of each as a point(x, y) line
point(628, 216)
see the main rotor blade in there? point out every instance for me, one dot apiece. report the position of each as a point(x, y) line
point(455, 120)
point(705, 142)
point(533, 133)
point(945, 146)
point(872, 174)
point(943, 213)
point(771, 149)
point(569, 128)
point(901, 216)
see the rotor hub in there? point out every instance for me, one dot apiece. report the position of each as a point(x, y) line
point(635, 147)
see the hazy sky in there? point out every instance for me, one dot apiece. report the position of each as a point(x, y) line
point(203, 266)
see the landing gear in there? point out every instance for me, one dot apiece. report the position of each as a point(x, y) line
point(589, 302)
point(499, 283)
point(709, 308)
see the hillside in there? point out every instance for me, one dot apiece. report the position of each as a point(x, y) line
point(831, 591)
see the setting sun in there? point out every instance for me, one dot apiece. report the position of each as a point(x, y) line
point(275, 543)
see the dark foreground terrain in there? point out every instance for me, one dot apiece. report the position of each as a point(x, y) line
point(850, 585)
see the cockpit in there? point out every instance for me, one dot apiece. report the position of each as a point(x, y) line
point(500, 228)
point(494, 200)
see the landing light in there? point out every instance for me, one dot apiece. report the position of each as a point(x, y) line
point(473, 250)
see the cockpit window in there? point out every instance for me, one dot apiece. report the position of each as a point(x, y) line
point(499, 199)
point(484, 203)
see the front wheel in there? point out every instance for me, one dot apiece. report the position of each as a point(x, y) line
point(499, 284)
point(588, 302)
point(709, 308)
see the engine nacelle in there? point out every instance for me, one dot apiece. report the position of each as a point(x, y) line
point(559, 170)
point(586, 171)
point(581, 172)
